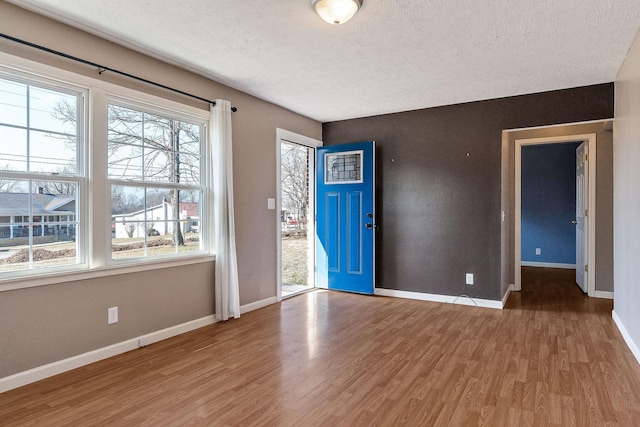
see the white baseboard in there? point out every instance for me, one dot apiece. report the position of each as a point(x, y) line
point(55, 368)
point(547, 265)
point(627, 338)
point(603, 294)
point(258, 304)
point(462, 300)
point(510, 289)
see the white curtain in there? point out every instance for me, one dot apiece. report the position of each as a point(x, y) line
point(227, 300)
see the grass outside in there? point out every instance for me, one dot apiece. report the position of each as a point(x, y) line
point(158, 250)
point(294, 260)
point(46, 263)
point(294, 256)
point(65, 253)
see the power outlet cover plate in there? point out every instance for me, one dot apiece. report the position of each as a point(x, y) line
point(112, 315)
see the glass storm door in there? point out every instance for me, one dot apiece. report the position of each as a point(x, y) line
point(345, 217)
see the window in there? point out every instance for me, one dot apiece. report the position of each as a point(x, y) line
point(154, 172)
point(42, 176)
point(132, 189)
point(343, 168)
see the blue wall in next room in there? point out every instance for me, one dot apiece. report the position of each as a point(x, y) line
point(549, 203)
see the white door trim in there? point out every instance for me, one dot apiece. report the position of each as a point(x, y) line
point(591, 226)
point(287, 136)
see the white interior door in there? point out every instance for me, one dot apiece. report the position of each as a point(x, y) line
point(582, 202)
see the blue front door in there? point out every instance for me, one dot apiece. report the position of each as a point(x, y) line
point(345, 217)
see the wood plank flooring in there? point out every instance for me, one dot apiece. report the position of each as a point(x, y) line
point(553, 357)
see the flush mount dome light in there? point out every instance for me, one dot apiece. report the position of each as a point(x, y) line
point(336, 11)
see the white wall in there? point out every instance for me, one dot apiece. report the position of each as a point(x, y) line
point(626, 198)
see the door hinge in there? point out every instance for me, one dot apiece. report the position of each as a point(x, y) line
point(586, 157)
point(586, 268)
point(586, 212)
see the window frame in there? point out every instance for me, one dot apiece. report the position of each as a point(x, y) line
point(80, 178)
point(204, 189)
point(95, 200)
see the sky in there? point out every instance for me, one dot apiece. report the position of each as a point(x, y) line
point(33, 138)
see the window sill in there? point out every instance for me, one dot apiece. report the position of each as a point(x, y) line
point(85, 274)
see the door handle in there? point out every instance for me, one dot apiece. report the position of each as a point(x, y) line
point(574, 222)
point(369, 225)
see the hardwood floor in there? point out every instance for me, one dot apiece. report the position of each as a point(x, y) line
point(552, 357)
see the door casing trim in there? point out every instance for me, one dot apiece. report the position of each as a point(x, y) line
point(590, 138)
point(283, 135)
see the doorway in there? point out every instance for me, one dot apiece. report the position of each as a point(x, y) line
point(295, 158)
point(587, 267)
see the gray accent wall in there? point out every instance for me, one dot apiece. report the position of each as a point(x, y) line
point(439, 183)
point(626, 196)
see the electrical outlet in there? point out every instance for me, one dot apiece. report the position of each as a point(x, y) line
point(112, 315)
point(142, 341)
point(538, 251)
point(469, 279)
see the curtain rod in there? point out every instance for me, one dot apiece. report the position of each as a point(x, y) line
point(102, 69)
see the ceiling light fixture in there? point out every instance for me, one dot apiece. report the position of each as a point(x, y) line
point(336, 11)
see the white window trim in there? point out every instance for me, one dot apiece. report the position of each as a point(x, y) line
point(97, 251)
point(204, 185)
point(73, 275)
point(81, 179)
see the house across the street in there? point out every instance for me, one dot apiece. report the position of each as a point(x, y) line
point(50, 215)
point(156, 220)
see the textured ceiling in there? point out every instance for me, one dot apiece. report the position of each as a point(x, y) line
point(392, 56)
